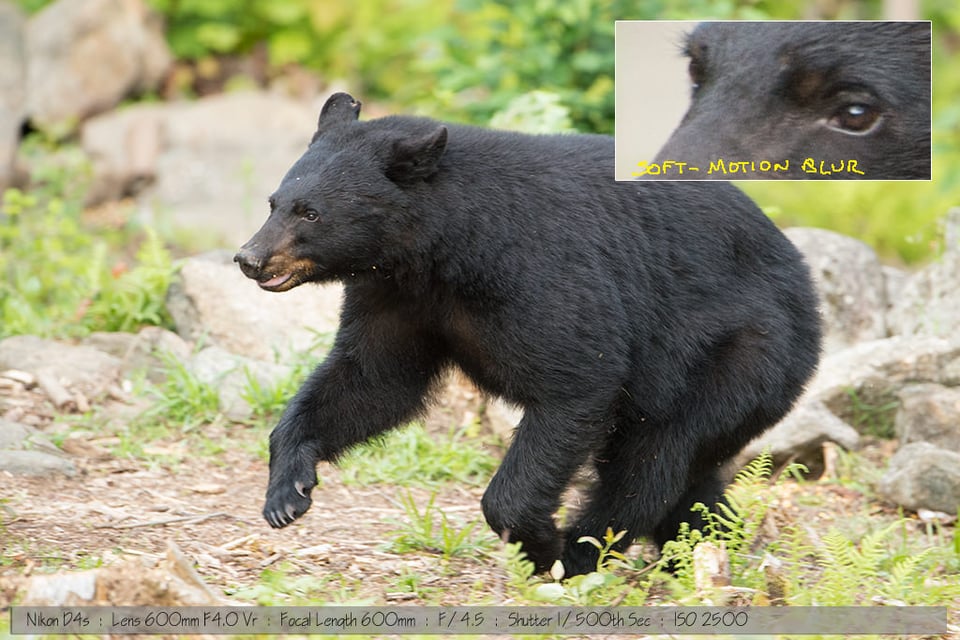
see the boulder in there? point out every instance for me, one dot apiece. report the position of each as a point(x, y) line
point(800, 436)
point(212, 301)
point(929, 301)
point(231, 375)
point(923, 476)
point(929, 413)
point(35, 463)
point(851, 285)
point(21, 437)
point(874, 371)
point(85, 56)
point(221, 157)
point(25, 451)
point(124, 147)
point(12, 88)
point(78, 367)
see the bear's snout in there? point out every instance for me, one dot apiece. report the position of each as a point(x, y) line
point(250, 263)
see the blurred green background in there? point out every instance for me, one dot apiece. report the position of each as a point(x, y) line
point(548, 65)
point(534, 65)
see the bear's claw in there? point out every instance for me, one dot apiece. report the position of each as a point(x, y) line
point(286, 504)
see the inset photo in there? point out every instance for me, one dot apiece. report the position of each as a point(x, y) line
point(773, 100)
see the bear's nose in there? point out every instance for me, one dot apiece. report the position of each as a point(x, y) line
point(249, 263)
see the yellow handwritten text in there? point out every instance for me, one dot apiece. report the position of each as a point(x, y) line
point(662, 168)
point(811, 166)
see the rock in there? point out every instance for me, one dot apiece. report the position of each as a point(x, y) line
point(170, 582)
point(35, 463)
point(850, 283)
point(77, 367)
point(20, 437)
point(12, 88)
point(230, 374)
point(152, 350)
point(929, 413)
point(929, 302)
point(85, 56)
point(800, 436)
point(895, 281)
point(212, 301)
point(874, 371)
point(223, 156)
point(923, 476)
point(124, 147)
point(115, 343)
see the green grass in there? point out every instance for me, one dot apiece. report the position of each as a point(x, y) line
point(412, 457)
point(62, 276)
point(431, 531)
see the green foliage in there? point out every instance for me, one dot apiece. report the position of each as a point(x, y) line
point(877, 567)
point(286, 585)
point(534, 112)
point(734, 526)
point(371, 45)
point(182, 399)
point(137, 297)
point(874, 417)
point(411, 456)
point(430, 530)
point(596, 588)
point(492, 51)
point(62, 277)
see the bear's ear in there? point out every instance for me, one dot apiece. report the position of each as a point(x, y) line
point(417, 158)
point(339, 108)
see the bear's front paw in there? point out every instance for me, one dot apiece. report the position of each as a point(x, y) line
point(287, 501)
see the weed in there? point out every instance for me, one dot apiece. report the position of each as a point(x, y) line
point(596, 588)
point(410, 456)
point(874, 416)
point(286, 585)
point(430, 530)
point(136, 297)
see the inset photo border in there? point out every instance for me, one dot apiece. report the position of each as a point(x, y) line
point(780, 100)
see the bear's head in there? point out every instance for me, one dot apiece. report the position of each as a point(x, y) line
point(347, 206)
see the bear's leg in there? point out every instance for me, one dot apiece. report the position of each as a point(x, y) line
point(642, 472)
point(358, 392)
point(707, 489)
point(547, 449)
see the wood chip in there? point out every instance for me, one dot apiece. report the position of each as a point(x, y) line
point(59, 396)
point(28, 380)
point(209, 488)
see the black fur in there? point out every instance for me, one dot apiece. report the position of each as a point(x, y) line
point(653, 328)
point(830, 91)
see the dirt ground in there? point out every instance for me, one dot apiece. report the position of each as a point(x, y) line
point(116, 509)
point(209, 506)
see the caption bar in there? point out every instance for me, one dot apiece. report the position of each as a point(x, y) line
point(480, 620)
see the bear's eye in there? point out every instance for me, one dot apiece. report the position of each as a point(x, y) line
point(311, 215)
point(855, 117)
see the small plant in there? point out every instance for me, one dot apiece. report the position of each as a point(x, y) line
point(182, 399)
point(411, 456)
point(134, 298)
point(61, 276)
point(430, 530)
point(874, 417)
point(285, 585)
point(596, 588)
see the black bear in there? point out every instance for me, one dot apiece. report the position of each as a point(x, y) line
point(848, 100)
point(650, 329)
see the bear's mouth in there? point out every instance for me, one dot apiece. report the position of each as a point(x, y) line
point(275, 283)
